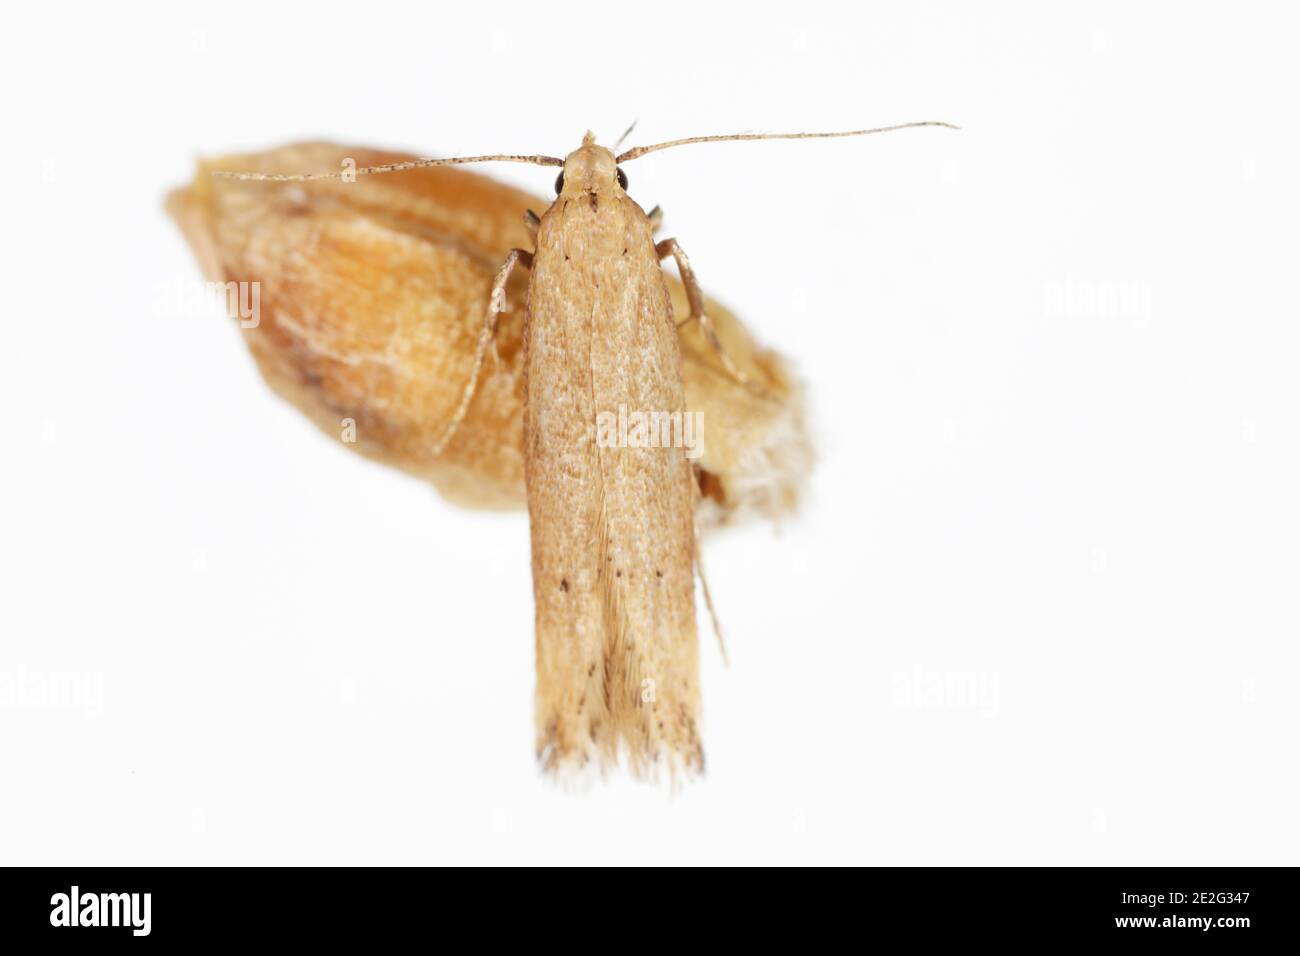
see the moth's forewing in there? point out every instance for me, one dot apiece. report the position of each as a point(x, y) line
point(371, 297)
point(613, 528)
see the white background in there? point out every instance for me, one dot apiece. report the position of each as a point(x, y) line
point(1041, 604)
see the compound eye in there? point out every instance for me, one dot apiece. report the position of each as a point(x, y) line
point(559, 184)
point(622, 178)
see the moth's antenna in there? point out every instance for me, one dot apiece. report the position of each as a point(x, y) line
point(638, 151)
point(626, 133)
point(392, 168)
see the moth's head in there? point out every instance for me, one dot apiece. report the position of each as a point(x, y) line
point(590, 170)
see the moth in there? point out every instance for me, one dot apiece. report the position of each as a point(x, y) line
point(613, 523)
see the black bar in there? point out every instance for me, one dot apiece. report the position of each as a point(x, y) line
point(373, 906)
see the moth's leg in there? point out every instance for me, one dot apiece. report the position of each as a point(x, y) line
point(532, 221)
point(656, 217)
point(695, 296)
point(496, 305)
point(699, 567)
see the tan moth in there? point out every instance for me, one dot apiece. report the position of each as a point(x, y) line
point(613, 523)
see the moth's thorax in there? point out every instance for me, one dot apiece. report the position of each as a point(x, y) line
point(590, 170)
point(593, 224)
